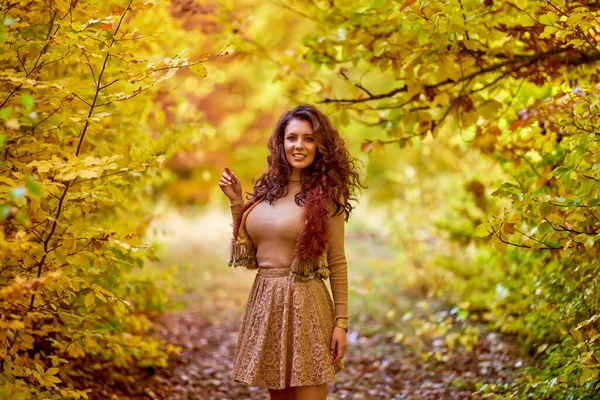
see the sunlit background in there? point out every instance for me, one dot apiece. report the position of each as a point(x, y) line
point(472, 254)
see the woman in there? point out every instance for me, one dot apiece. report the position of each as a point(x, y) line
point(293, 336)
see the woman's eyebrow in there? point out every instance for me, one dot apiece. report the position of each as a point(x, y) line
point(306, 134)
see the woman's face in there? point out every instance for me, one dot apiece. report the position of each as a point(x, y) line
point(299, 144)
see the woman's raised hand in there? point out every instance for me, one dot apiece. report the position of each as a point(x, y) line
point(231, 185)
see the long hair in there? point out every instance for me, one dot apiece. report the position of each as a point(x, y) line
point(333, 167)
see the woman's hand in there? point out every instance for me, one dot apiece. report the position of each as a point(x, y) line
point(231, 185)
point(339, 342)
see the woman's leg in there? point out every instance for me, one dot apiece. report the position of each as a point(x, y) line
point(284, 394)
point(314, 392)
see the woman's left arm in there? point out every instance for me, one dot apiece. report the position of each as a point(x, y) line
point(338, 280)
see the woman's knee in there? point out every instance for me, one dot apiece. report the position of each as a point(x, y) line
point(313, 392)
point(284, 394)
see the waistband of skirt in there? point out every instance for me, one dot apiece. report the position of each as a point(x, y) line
point(275, 272)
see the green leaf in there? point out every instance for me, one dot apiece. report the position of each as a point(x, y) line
point(545, 210)
point(593, 202)
point(544, 227)
point(27, 102)
point(5, 112)
point(33, 187)
point(4, 210)
point(586, 375)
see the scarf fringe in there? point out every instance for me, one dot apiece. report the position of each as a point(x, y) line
point(242, 255)
point(305, 270)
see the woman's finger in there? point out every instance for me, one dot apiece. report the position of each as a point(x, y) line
point(340, 355)
point(332, 346)
point(226, 177)
point(229, 174)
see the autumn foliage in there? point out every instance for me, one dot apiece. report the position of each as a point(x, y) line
point(494, 105)
point(79, 167)
point(511, 83)
point(519, 81)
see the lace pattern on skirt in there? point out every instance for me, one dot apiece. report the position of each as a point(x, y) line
point(285, 333)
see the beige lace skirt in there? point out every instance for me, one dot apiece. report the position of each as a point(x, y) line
point(285, 334)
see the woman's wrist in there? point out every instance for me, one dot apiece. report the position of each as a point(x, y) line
point(342, 323)
point(233, 203)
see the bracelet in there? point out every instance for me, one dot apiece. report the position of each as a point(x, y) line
point(235, 204)
point(343, 325)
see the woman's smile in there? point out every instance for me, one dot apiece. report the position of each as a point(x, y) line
point(299, 143)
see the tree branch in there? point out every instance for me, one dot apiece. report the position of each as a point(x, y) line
point(524, 59)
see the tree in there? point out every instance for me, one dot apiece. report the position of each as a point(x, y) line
point(519, 80)
point(77, 150)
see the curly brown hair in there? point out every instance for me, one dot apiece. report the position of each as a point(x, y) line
point(333, 167)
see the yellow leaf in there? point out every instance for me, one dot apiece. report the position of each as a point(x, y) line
point(548, 31)
point(587, 375)
point(139, 5)
point(199, 70)
point(135, 154)
point(90, 298)
point(8, 181)
point(86, 173)
point(482, 230)
point(575, 18)
point(548, 18)
point(513, 219)
point(101, 296)
point(53, 379)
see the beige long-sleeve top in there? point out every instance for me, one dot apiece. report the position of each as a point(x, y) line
point(274, 230)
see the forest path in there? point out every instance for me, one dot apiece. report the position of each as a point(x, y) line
point(390, 354)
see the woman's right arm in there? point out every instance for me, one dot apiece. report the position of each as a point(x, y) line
point(232, 188)
point(237, 210)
